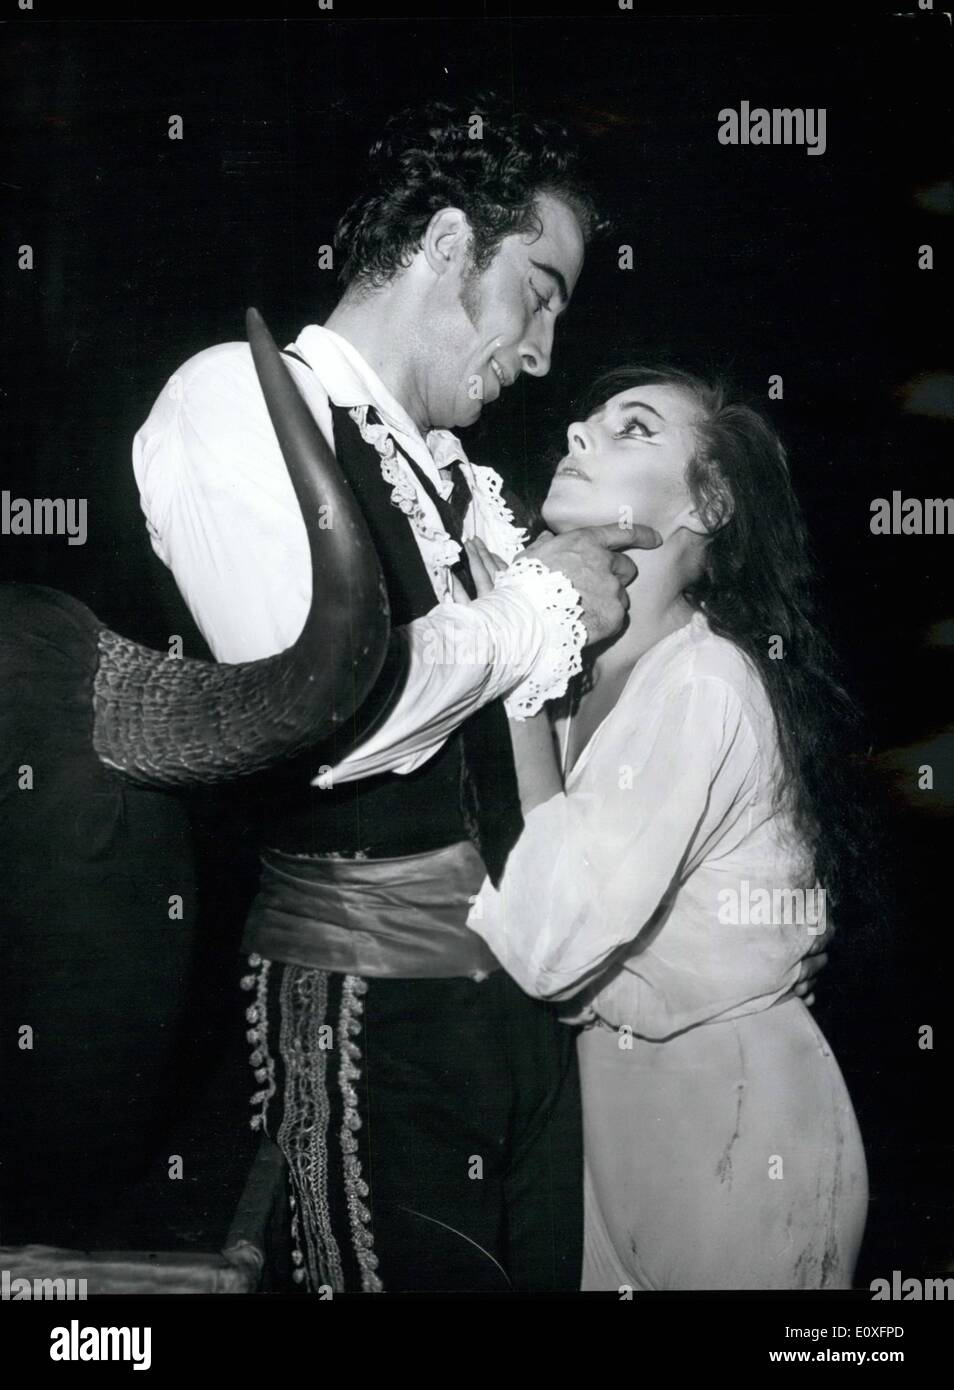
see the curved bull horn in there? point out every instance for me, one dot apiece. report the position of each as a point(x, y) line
point(175, 723)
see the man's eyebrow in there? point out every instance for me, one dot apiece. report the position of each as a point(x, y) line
point(629, 405)
point(557, 275)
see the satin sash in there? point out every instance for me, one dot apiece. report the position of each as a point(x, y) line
point(403, 917)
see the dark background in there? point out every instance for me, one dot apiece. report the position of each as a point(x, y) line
point(760, 259)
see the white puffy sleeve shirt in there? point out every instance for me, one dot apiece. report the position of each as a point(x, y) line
point(624, 885)
point(222, 514)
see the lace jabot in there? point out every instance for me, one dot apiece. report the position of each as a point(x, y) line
point(490, 518)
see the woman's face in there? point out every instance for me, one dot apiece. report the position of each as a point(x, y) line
point(627, 462)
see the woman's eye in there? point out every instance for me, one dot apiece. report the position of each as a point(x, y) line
point(635, 426)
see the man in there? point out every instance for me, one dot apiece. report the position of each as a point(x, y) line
point(427, 1109)
point(96, 855)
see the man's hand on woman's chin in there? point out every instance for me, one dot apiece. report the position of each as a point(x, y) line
point(591, 561)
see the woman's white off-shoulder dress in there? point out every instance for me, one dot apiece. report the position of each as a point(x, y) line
point(664, 895)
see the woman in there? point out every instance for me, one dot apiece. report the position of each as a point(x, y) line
point(684, 842)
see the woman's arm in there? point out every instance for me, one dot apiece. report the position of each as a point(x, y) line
point(535, 756)
point(594, 867)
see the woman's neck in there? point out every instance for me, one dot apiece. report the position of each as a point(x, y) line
point(657, 607)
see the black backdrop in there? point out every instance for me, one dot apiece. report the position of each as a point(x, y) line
point(765, 260)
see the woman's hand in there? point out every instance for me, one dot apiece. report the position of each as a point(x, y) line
point(484, 566)
point(813, 963)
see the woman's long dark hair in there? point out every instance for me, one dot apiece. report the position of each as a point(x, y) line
point(758, 589)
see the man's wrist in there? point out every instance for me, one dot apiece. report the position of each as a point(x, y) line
point(559, 608)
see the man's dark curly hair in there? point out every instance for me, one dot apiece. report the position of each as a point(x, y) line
point(429, 158)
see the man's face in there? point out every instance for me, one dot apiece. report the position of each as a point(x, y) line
point(499, 323)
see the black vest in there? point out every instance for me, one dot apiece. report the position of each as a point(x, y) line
point(390, 814)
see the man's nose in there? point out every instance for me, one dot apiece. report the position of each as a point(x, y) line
point(536, 352)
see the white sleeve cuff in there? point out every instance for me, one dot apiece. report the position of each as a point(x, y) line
point(560, 609)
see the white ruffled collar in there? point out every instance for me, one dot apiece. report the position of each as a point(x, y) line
point(353, 384)
point(488, 516)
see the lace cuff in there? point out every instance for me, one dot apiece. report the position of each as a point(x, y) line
point(560, 610)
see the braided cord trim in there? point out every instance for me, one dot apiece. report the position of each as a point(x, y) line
point(356, 1189)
